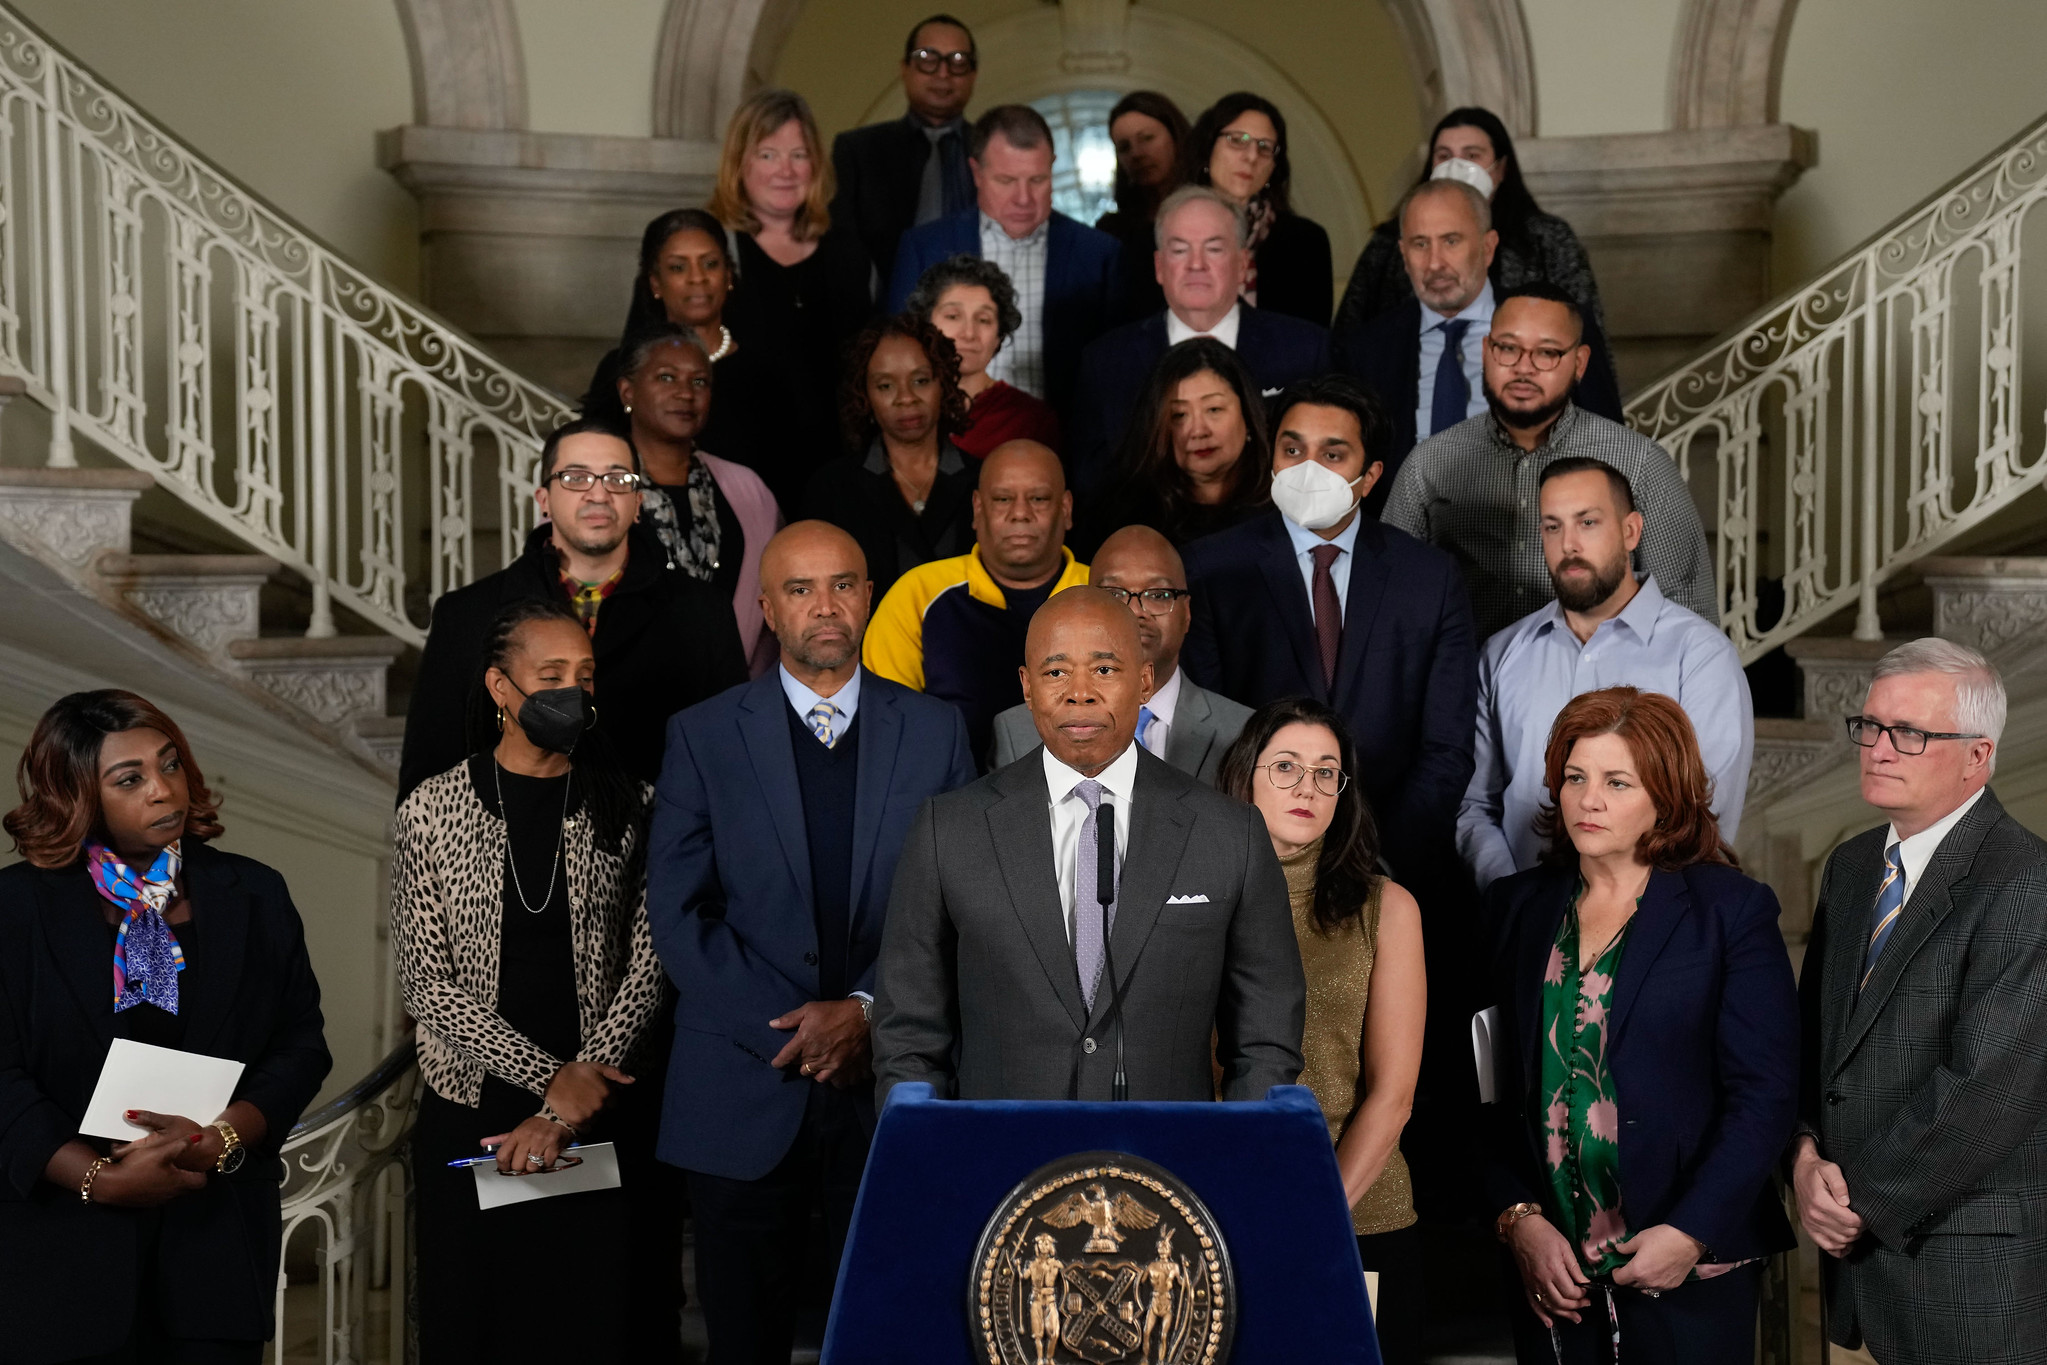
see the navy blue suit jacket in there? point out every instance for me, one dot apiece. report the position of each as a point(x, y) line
point(1406, 676)
point(1277, 349)
point(1704, 1053)
point(1083, 284)
point(1385, 352)
point(729, 900)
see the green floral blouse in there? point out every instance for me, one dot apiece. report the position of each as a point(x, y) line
point(1581, 1120)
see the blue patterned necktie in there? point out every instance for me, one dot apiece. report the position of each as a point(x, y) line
point(1890, 903)
point(1144, 720)
point(1453, 389)
point(820, 718)
point(1087, 910)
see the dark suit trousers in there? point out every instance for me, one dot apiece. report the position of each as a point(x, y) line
point(147, 1341)
point(755, 1270)
point(1702, 1322)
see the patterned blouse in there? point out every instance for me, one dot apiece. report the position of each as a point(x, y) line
point(1581, 1118)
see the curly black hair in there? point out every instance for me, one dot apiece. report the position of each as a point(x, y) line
point(856, 416)
point(968, 270)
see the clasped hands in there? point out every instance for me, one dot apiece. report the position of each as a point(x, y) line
point(1660, 1258)
point(1822, 1192)
point(831, 1043)
point(172, 1159)
point(576, 1094)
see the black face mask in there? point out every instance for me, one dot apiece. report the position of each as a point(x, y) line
point(556, 719)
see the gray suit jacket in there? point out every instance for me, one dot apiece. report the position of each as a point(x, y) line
point(1205, 724)
point(977, 990)
point(1929, 1087)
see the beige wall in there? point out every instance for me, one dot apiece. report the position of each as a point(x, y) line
point(1601, 66)
point(590, 64)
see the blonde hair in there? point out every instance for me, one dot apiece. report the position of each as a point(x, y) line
point(753, 122)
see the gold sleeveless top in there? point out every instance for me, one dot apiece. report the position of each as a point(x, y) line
point(1339, 971)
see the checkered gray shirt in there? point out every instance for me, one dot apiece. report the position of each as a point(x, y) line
point(1472, 491)
point(1022, 362)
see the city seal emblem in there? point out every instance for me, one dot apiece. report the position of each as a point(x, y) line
point(1102, 1259)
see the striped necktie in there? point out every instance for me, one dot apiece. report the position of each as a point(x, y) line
point(821, 717)
point(1890, 903)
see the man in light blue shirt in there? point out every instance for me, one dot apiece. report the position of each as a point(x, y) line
point(1606, 629)
point(1437, 326)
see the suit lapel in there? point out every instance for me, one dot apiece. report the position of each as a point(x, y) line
point(1021, 828)
point(766, 736)
point(1536, 938)
point(1852, 896)
point(1290, 600)
point(74, 925)
point(1159, 828)
point(1193, 731)
point(1663, 907)
point(220, 906)
point(881, 735)
point(1361, 606)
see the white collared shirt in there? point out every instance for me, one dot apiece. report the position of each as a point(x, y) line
point(1469, 350)
point(1916, 852)
point(1304, 543)
point(1069, 812)
point(846, 699)
point(1224, 331)
point(1162, 703)
point(1021, 363)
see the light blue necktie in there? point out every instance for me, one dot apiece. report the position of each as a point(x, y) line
point(821, 717)
point(1890, 903)
point(1144, 720)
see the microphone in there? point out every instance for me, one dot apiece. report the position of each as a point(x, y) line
point(1105, 893)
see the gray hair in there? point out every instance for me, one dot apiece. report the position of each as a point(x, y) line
point(1189, 194)
point(1979, 690)
point(640, 348)
point(1480, 209)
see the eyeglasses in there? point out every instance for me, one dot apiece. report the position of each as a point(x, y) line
point(1286, 774)
point(583, 480)
point(929, 59)
point(1264, 148)
point(1510, 352)
point(1904, 738)
point(1150, 601)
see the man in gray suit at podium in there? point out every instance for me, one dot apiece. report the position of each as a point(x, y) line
point(993, 980)
point(1188, 726)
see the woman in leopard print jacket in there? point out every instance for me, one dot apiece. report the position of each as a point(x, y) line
point(519, 918)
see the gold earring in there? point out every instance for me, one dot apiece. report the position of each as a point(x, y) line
point(501, 720)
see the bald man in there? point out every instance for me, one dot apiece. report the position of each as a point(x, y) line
point(995, 981)
point(782, 807)
point(954, 628)
point(1185, 724)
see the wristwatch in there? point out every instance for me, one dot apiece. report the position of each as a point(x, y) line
point(1506, 1221)
point(866, 1008)
point(232, 1153)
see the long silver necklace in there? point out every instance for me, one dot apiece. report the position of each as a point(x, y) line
point(497, 772)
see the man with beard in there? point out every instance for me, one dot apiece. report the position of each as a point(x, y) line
point(1605, 629)
point(1473, 488)
point(782, 807)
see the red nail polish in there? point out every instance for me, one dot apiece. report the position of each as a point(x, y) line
point(195, 1137)
point(130, 1113)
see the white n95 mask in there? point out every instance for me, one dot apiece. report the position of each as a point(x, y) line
point(1470, 172)
point(1313, 495)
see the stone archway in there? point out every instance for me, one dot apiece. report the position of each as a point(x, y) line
point(712, 55)
point(1727, 65)
point(467, 69)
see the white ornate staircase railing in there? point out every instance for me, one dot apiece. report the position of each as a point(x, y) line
point(1868, 417)
point(160, 310)
point(345, 1184)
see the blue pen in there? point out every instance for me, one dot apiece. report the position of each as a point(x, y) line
point(492, 1160)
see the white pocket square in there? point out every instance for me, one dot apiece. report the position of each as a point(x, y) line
point(1187, 900)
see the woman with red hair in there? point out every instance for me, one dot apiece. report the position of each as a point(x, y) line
point(1647, 1057)
point(123, 922)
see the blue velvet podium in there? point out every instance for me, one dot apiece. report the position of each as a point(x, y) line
point(940, 1168)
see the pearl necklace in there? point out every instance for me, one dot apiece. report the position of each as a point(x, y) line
point(724, 344)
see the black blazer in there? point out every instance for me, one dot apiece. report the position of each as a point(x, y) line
point(1406, 680)
point(1704, 1053)
point(664, 641)
point(1116, 367)
point(1295, 274)
point(1384, 352)
point(879, 169)
point(69, 1270)
point(857, 494)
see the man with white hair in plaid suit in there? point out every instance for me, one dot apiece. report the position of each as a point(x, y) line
point(1920, 1163)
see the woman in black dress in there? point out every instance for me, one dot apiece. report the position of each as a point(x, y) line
point(520, 928)
point(1148, 130)
point(910, 498)
point(1238, 146)
point(123, 922)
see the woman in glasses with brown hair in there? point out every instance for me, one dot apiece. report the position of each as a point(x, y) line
point(1238, 146)
point(1647, 1058)
point(123, 922)
point(1360, 937)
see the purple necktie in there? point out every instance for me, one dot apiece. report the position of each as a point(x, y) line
point(1328, 612)
point(1087, 911)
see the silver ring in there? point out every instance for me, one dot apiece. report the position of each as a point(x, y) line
point(535, 1159)
point(1654, 1293)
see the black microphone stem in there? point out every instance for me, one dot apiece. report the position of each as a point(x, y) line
point(1105, 893)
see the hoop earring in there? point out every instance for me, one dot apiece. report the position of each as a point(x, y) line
point(591, 724)
point(501, 720)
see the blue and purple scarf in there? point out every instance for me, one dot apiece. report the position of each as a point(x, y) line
point(147, 958)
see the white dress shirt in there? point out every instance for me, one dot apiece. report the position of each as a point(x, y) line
point(1162, 703)
point(1224, 331)
point(1305, 541)
point(1471, 351)
point(847, 698)
point(1021, 362)
point(1916, 852)
point(1527, 673)
point(1119, 784)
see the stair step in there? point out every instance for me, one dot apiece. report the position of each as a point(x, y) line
point(68, 518)
point(1986, 602)
point(338, 680)
point(1788, 751)
point(209, 600)
point(383, 736)
point(1836, 670)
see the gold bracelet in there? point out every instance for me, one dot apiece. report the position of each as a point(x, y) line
point(91, 1174)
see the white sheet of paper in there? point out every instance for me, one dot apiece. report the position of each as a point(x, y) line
point(599, 1171)
point(1485, 1031)
point(161, 1080)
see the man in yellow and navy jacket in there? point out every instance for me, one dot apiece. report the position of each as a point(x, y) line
point(954, 628)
